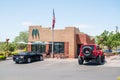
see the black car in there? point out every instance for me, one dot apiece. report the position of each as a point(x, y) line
point(27, 57)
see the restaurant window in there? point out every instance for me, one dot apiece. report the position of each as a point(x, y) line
point(58, 47)
point(40, 48)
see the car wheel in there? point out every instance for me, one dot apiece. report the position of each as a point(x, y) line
point(41, 58)
point(103, 58)
point(99, 60)
point(80, 60)
point(29, 60)
point(16, 62)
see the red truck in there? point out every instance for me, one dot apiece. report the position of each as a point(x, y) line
point(91, 52)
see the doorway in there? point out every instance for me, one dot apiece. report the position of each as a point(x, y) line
point(78, 50)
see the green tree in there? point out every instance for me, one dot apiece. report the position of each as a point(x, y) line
point(23, 37)
point(3, 46)
point(116, 40)
point(102, 38)
point(12, 47)
point(109, 39)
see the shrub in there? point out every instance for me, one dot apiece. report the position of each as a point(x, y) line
point(2, 53)
point(118, 78)
point(115, 53)
point(2, 57)
point(15, 52)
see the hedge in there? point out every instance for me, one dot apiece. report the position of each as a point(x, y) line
point(2, 57)
point(14, 53)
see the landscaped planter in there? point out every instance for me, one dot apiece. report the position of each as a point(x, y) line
point(2, 57)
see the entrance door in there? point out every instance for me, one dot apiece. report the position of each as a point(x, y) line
point(78, 50)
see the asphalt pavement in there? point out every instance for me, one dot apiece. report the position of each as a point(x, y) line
point(57, 69)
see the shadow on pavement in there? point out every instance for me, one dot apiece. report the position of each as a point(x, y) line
point(93, 63)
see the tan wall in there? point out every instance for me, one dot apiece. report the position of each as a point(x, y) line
point(67, 35)
point(66, 48)
point(84, 39)
point(29, 47)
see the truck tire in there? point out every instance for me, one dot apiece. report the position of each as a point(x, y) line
point(80, 60)
point(87, 51)
point(103, 58)
point(99, 60)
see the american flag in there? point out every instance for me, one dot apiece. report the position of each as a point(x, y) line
point(53, 21)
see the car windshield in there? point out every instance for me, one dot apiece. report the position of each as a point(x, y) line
point(23, 53)
point(91, 46)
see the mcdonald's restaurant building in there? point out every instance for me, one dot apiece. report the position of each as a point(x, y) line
point(67, 41)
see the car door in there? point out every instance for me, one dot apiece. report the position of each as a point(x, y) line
point(36, 56)
point(33, 56)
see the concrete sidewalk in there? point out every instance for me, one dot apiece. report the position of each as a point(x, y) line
point(113, 61)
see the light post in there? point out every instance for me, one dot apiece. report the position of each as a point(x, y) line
point(116, 28)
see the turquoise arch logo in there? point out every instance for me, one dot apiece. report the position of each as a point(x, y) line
point(35, 33)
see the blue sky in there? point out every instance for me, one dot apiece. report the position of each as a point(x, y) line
point(91, 16)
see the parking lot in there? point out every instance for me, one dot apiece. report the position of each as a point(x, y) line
point(57, 69)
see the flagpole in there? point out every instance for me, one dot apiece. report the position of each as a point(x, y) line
point(53, 25)
point(52, 43)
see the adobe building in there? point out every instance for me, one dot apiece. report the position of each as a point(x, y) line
point(67, 41)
